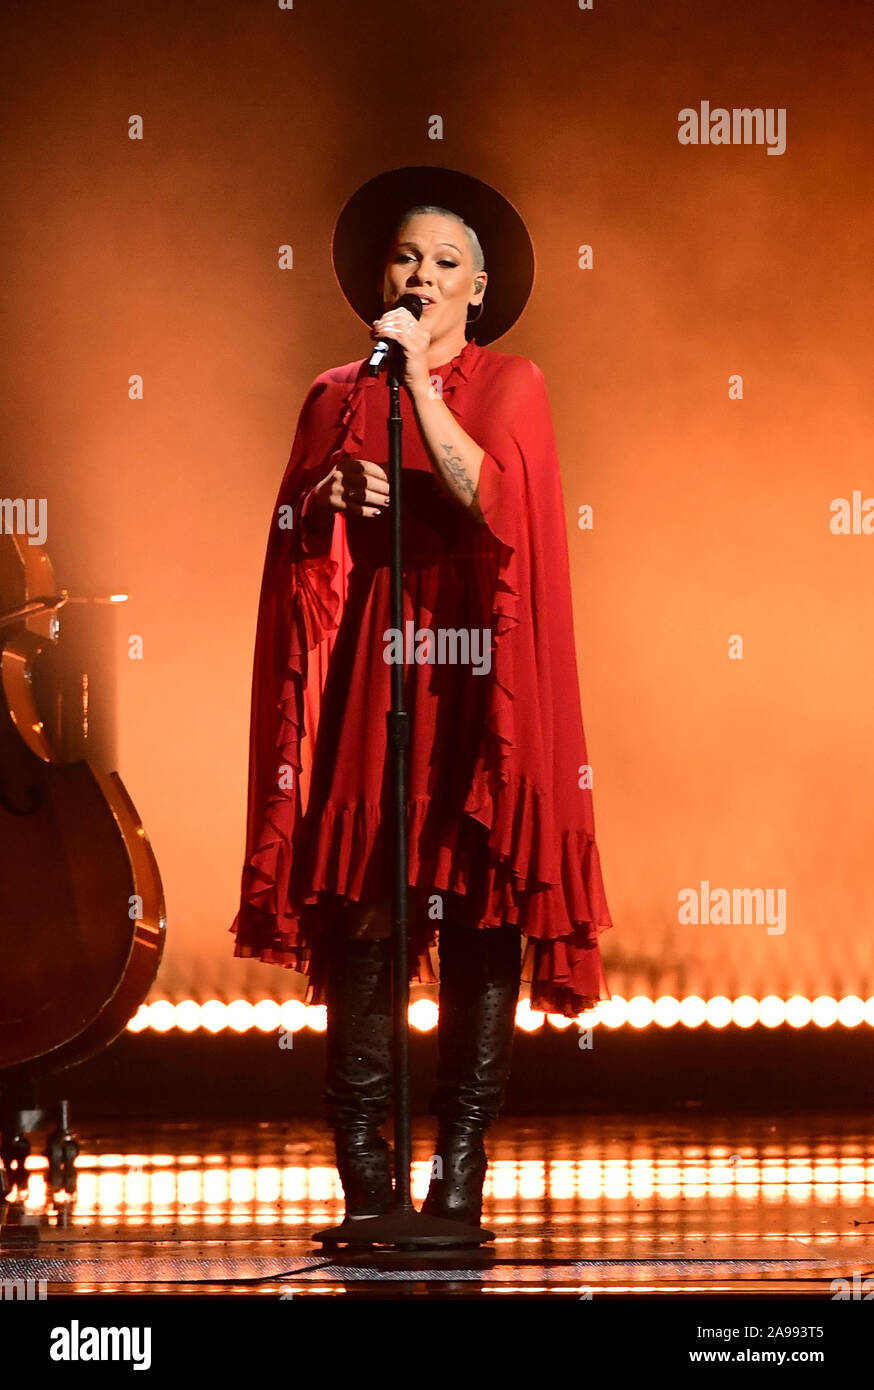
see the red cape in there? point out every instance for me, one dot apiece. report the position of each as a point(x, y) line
point(544, 870)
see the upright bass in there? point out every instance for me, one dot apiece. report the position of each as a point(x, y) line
point(82, 917)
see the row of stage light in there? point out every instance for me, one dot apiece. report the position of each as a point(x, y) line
point(269, 1016)
point(182, 1190)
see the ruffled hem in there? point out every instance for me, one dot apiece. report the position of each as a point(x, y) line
point(302, 941)
point(497, 883)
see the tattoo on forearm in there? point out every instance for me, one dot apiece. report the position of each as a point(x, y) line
point(455, 468)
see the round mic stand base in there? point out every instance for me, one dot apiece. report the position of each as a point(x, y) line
point(403, 1228)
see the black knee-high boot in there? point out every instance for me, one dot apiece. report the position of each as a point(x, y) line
point(358, 1072)
point(480, 970)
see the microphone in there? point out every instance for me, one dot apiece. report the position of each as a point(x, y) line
point(383, 346)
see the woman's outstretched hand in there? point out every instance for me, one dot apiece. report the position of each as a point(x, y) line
point(357, 487)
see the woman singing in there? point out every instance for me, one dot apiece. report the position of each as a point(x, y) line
point(500, 828)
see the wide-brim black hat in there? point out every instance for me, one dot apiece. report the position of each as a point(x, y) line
point(367, 223)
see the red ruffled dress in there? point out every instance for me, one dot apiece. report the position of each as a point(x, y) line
point(499, 808)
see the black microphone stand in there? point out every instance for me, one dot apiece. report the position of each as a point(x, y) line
point(402, 1226)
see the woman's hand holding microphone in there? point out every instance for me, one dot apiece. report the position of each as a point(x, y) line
point(360, 487)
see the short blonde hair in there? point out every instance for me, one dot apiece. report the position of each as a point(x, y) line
point(479, 260)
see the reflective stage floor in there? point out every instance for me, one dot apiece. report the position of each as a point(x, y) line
point(601, 1206)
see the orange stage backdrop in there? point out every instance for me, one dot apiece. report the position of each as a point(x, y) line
point(746, 766)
